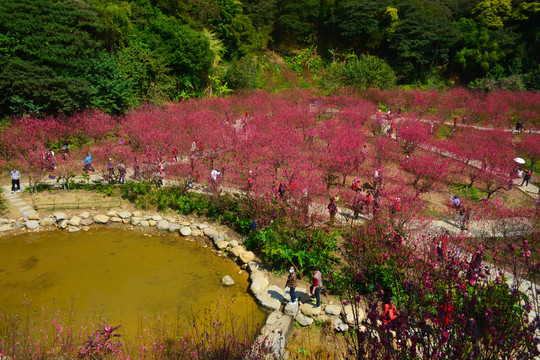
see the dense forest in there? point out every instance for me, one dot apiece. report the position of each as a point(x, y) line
point(62, 56)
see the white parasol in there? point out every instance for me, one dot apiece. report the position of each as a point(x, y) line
point(519, 160)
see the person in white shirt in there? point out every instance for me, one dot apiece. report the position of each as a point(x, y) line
point(15, 180)
point(214, 174)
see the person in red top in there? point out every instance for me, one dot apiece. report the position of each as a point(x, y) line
point(396, 205)
point(445, 311)
point(389, 313)
point(250, 181)
point(315, 289)
point(332, 209)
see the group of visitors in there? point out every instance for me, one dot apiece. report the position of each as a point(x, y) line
point(121, 172)
point(526, 174)
point(366, 202)
point(314, 290)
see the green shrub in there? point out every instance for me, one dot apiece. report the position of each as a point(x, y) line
point(243, 73)
point(3, 205)
point(365, 72)
point(281, 246)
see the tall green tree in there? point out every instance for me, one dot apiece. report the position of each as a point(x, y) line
point(359, 24)
point(47, 43)
point(185, 52)
point(422, 39)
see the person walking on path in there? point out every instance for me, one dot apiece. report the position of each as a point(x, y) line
point(291, 284)
point(332, 209)
point(526, 178)
point(88, 164)
point(121, 173)
point(315, 289)
point(466, 218)
point(456, 203)
point(214, 177)
point(137, 170)
point(15, 180)
point(110, 169)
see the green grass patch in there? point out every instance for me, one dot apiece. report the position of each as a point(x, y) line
point(444, 131)
point(468, 192)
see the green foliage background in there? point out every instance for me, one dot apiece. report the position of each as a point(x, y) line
point(62, 56)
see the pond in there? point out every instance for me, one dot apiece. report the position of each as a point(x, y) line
point(118, 277)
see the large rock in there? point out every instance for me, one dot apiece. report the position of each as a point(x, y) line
point(339, 325)
point(135, 220)
point(34, 216)
point(63, 224)
point(238, 250)
point(185, 231)
point(101, 219)
point(291, 308)
point(246, 257)
point(75, 221)
point(144, 223)
point(253, 265)
point(85, 215)
point(116, 219)
point(304, 320)
point(222, 245)
point(273, 318)
point(202, 226)
point(87, 221)
point(59, 216)
point(233, 243)
point(301, 295)
point(124, 214)
point(348, 314)
point(255, 274)
point(209, 232)
point(174, 227)
point(310, 310)
point(32, 224)
point(227, 281)
point(112, 213)
point(334, 310)
point(162, 225)
point(157, 218)
point(217, 238)
point(48, 221)
point(152, 222)
point(273, 336)
point(196, 232)
point(73, 229)
point(4, 221)
point(137, 213)
point(271, 298)
point(258, 285)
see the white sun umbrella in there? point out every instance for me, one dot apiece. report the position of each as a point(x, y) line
point(519, 160)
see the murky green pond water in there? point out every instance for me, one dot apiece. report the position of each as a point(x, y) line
point(118, 275)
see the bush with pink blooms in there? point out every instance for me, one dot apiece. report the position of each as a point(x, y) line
point(267, 165)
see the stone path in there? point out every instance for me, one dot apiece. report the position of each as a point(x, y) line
point(484, 128)
point(25, 209)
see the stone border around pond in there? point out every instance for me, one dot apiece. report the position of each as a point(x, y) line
point(279, 324)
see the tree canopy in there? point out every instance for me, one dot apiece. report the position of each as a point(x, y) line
point(62, 56)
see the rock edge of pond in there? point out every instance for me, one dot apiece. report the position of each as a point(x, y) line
point(279, 324)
